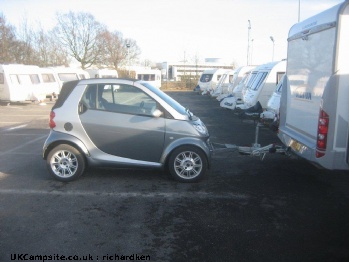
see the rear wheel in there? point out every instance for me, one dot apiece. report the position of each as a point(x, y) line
point(65, 163)
point(187, 164)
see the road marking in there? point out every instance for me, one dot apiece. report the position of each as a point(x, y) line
point(15, 127)
point(209, 195)
point(23, 145)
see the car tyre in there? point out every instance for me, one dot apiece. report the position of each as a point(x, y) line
point(187, 164)
point(65, 163)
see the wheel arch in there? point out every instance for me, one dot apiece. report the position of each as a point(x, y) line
point(197, 143)
point(59, 139)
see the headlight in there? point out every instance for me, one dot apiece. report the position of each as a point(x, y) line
point(201, 128)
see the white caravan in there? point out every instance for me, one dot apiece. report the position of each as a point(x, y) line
point(223, 83)
point(235, 97)
point(65, 74)
point(151, 76)
point(239, 74)
point(209, 79)
point(314, 108)
point(271, 114)
point(102, 73)
point(50, 82)
point(263, 86)
point(19, 83)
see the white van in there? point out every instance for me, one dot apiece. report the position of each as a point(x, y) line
point(223, 83)
point(263, 86)
point(209, 79)
point(19, 83)
point(314, 108)
point(102, 73)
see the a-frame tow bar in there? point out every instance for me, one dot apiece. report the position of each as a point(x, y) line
point(254, 150)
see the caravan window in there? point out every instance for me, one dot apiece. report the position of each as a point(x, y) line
point(258, 80)
point(251, 78)
point(14, 79)
point(231, 78)
point(146, 77)
point(279, 75)
point(48, 78)
point(206, 78)
point(34, 79)
point(68, 76)
point(24, 79)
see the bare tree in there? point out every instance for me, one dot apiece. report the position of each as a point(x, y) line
point(117, 51)
point(80, 33)
point(26, 49)
point(50, 52)
point(8, 41)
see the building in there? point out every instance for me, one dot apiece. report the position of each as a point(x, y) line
point(180, 70)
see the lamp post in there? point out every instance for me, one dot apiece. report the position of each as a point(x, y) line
point(272, 39)
point(128, 57)
point(248, 41)
point(251, 63)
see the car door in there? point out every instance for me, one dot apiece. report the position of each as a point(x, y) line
point(118, 120)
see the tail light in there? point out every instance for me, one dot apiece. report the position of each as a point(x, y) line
point(322, 132)
point(52, 123)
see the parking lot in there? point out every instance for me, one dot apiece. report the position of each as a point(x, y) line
point(246, 209)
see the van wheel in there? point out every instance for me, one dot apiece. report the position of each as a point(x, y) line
point(187, 164)
point(65, 163)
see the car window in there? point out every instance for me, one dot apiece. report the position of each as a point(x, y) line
point(126, 99)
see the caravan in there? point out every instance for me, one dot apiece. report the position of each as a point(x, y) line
point(19, 83)
point(236, 97)
point(65, 74)
point(223, 83)
point(270, 115)
point(151, 76)
point(263, 86)
point(209, 80)
point(239, 74)
point(50, 82)
point(102, 73)
point(314, 108)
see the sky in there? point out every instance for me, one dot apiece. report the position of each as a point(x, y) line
point(178, 30)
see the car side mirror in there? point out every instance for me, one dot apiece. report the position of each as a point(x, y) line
point(157, 113)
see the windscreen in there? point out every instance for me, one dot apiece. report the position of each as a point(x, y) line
point(169, 100)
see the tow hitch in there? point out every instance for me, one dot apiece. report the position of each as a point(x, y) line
point(254, 150)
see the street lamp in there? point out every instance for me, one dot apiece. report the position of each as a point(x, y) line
point(128, 57)
point(272, 39)
point(251, 63)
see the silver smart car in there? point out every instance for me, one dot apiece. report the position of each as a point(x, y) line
point(124, 123)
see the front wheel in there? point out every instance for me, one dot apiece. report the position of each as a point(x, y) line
point(187, 164)
point(65, 163)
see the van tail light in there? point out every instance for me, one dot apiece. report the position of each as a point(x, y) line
point(322, 133)
point(52, 123)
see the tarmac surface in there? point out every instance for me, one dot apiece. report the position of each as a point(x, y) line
point(246, 209)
